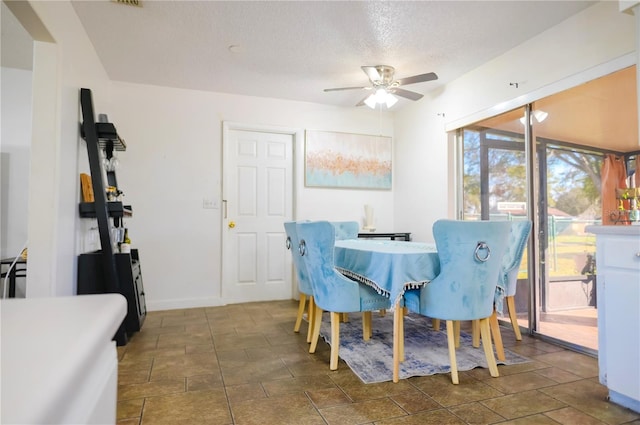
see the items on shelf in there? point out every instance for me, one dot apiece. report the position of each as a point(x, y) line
point(628, 206)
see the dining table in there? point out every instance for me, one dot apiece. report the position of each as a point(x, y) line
point(390, 267)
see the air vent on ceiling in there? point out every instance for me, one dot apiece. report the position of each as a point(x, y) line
point(129, 2)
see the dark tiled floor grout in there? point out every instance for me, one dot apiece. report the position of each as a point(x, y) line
point(243, 364)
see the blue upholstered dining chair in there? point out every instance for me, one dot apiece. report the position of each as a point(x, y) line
point(346, 229)
point(507, 283)
point(304, 284)
point(470, 254)
point(333, 291)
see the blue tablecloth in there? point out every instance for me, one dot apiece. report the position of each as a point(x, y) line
point(390, 267)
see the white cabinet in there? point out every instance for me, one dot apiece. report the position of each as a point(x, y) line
point(618, 271)
point(59, 363)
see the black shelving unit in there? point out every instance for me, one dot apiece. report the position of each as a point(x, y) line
point(107, 271)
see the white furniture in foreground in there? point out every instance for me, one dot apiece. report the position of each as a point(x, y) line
point(618, 283)
point(59, 363)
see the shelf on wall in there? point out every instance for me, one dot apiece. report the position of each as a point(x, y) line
point(115, 209)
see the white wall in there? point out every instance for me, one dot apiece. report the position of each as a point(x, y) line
point(61, 68)
point(581, 48)
point(15, 146)
point(173, 161)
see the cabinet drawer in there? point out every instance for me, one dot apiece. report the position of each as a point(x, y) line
point(622, 253)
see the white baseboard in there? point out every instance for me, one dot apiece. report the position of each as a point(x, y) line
point(174, 304)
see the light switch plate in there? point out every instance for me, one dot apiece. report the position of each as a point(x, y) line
point(210, 204)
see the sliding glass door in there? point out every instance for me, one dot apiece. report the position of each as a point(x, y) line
point(560, 191)
point(495, 183)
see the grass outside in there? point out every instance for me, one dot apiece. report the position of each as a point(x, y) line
point(566, 255)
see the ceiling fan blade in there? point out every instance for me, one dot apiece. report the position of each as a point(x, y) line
point(346, 88)
point(406, 93)
point(372, 73)
point(430, 76)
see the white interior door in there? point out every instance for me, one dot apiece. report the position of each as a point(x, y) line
point(257, 200)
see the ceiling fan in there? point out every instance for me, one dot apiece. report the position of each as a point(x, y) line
point(385, 87)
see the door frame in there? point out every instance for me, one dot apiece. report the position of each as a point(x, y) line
point(227, 126)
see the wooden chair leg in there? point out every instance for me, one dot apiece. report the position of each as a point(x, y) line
point(366, 325)
point(405, 311)
point(311, 315)
point(452, 352)
point(301, 304)
point(317, 321)
point(383, 312)
point(475, 333)
point(456, 331)
point(513, 316)
point(335, 340)
point(344, 317)
point(398, 342)
point(497, 337)
point(485, 333)
point(435, 323)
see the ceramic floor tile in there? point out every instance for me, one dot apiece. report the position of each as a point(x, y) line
point(476, 414)
point(149, 331)
point(235, 341)
point(519, 382)
point(570, 415)
point(149, 389)
point(538, 419)
point(572, 362)
point(186, 365)
point(199, 348)
point(358, 391)
point(328, 397)
point(128, 421)
point(243, 392)
point(415, 401)
point(291, 409)
point(130, 409)
point(297, 385)
point(243, 364)
point(204, 382)
point(362, 412)
point(591, 398)
point(288, 351)
point(558, 375)
point(255, 372)
point(132, 375)
point(193, 408)
point(432, 417)
point(182, 339)
point(522, 404)
point(440, 388)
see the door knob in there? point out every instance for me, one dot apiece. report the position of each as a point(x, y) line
point(232, 224)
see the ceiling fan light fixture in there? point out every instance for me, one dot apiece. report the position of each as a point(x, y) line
point(391, 100)
point(381, 96)
point(371, 101)
point(538, 114)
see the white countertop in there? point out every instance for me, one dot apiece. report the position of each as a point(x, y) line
point(633, 230)
point(47, 344)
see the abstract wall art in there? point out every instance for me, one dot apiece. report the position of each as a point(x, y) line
point(349, 161)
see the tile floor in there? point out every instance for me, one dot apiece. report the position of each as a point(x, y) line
point(243, 364)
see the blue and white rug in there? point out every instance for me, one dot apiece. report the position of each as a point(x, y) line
point(426, 350)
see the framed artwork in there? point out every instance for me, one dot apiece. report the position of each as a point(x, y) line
point(344, 160)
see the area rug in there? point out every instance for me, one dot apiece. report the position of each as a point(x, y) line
point(426, 351)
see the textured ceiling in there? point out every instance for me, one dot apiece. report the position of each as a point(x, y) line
point(295, 49)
